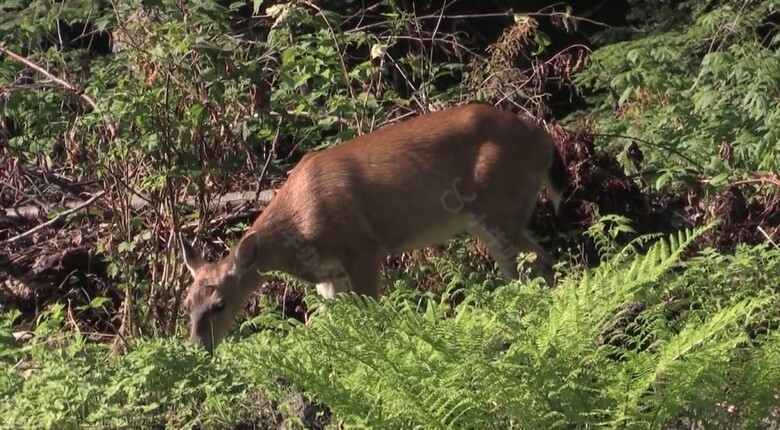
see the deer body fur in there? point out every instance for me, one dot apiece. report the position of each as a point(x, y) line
point(472, 168)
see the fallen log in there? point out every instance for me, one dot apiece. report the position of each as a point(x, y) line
point(216, 204)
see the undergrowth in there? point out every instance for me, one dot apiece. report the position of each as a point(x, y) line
point(697, 98)
point(642, 340)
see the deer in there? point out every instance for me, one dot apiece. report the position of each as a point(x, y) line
point(472, 168)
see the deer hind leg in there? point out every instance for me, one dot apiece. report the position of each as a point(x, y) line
point(506, 239)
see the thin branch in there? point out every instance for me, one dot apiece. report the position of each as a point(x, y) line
point(768, 237)
point(657, 145)
point(539, 14)
point(54, 220)
point(271, 154)
point(342, 64)
point(62, 83)
point(774, 180)
point(68, 86)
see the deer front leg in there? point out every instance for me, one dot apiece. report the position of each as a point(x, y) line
point(328, 290)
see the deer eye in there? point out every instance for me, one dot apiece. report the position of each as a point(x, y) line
point(218, 306)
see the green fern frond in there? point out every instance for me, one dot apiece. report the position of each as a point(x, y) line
point(531, 357)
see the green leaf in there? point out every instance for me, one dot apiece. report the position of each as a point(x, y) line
point(197, 113)
point(98, 302)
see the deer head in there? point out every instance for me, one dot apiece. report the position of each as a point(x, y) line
point(219, 290)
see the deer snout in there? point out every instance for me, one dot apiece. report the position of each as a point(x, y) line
point(201, 332)
point(204, 342)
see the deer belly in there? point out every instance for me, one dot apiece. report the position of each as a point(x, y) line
point(419, 236)
point(313, 269)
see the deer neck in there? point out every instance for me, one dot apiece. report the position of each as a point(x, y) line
point(280, 241)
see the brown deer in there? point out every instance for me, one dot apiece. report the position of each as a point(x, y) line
point(342, 211)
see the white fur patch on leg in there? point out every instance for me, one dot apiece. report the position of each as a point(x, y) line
point(326, 289)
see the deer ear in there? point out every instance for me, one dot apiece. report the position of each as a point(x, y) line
point(245, 253)
point(192, 257)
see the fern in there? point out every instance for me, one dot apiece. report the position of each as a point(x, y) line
point(635, 343)
point(523, 357)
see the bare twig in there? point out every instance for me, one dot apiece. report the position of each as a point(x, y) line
point(48, 74)
point(768, 237)
point(53, 220)
point(62, 83)
point(271, 154)
point(774, 180)
point(342, 63)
